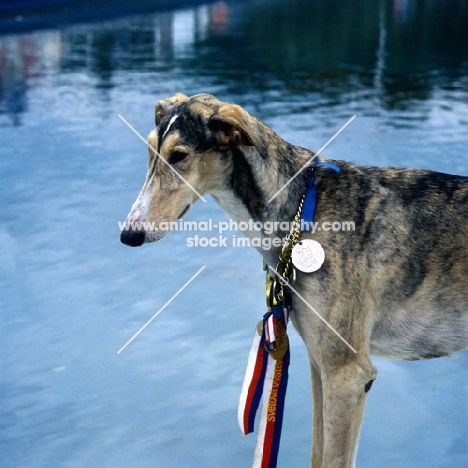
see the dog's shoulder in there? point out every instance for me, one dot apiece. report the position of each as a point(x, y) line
point(403, 203)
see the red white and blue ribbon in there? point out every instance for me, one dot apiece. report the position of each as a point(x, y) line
point(252, 388)
point(266, 380)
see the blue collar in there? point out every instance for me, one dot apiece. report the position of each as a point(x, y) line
point(308, 208)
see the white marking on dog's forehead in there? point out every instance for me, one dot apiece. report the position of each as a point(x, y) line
point(169, 125)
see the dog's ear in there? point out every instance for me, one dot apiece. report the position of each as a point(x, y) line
point(163, 105)
point(235, 126)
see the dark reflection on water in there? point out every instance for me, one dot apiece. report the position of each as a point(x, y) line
point(394, 51)
point(71, 295)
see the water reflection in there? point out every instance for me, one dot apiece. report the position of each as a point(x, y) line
point(14, 65)
point(397, 52)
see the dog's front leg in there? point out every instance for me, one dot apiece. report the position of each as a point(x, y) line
point(317, 431)
point(344, 397)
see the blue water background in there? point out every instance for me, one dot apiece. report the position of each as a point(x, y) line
point(72, 295)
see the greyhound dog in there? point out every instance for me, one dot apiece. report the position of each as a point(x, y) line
point(395, 287)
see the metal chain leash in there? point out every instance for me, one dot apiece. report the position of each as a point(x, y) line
point(283, 268)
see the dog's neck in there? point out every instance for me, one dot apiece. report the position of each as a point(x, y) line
point(255, 180)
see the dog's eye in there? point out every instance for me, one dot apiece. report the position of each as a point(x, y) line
point(177, 156)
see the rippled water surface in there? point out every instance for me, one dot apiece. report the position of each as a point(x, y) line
point(72, 295)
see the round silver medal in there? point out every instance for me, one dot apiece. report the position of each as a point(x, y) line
point(308, 255)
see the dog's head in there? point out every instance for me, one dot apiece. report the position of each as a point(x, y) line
point(190, 155)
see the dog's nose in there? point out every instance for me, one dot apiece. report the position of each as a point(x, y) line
point(133, 237)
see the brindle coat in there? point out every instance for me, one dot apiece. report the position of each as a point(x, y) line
point(396, 287)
